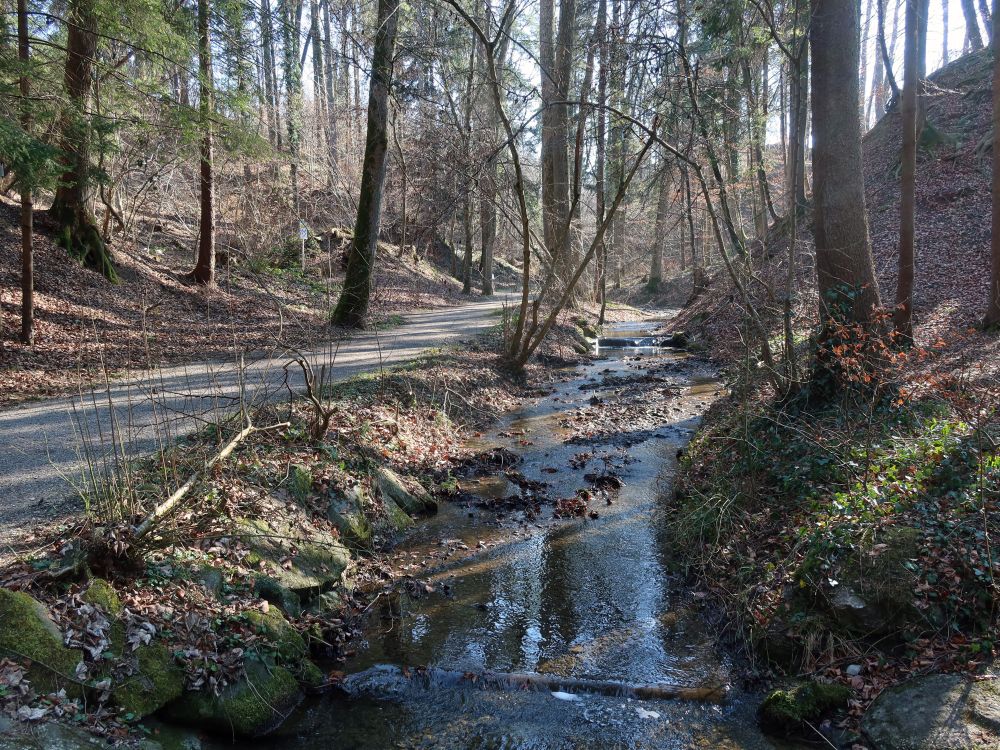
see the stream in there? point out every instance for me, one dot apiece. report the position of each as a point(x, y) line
point(500, 589)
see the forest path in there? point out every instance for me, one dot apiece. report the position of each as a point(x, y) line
point(42, 448)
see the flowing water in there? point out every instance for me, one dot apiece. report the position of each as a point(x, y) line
point(522, 592)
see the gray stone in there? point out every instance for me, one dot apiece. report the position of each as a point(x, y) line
point(407, 493)
point(316, 558)
point(936, 712)
point(346, 511)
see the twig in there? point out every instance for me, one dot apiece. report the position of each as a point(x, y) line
point(168, 505)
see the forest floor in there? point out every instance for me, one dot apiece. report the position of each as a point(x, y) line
point(88, 328)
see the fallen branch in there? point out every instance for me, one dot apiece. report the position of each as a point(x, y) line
point(168, 505)
point(433, 677)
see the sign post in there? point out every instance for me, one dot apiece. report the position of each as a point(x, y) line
point(303, 236)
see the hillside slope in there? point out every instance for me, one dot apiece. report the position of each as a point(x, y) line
point(155, 315)
point(952, 227)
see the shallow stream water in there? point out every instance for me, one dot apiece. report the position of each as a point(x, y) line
point(517, 592)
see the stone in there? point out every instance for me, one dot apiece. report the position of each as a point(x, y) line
point(28, 635)
point(101, 594)
point(295, 552)
point(875, 593)
point(286, 640)
point(677, 340)
point(407, 493)
point(277, 595)
point(299, 482)
point(251, 707)
point(158, 680)
point(327, 603)
point(787, 711)
point(346, 511)
point(936, 712)
point(853, 670)
point(209, 578)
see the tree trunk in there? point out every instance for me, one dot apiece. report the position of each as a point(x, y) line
point(798, 80)
point(660, 235)
point(846, 275)
point(353, 303)
point(547, 63)
point(78, 232)
point(561, 180)
point(470, 95)
point(267, 21)
point(973, 38)
point(469, 241)
point(290, 27)
point(27, 208)
point(944, 32)
point(204, 270)
point(903, 313)
point(878, 77)
point(984, 8)
point(319, 79)
point(992, 317)
point(601, 31)
point(329, 72)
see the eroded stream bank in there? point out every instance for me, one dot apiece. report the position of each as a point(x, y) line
point(498, 583)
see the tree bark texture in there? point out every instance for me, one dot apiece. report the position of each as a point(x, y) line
point(352, 307)
point(846, 275)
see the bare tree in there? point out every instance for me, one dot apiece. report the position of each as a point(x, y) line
point(846, 275)
point(903, 314)
point(27, 207)
point(992, 317)
point(352, 307)
point(204, 270)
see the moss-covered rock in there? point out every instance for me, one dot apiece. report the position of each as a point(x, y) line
point(102, 594)
point(28, 635)
point(268, 589)
point(786, 711)
point(318, 558)
point(251, 707)
point(286, 640)
point(157, 681)
point(875, 593)
point(396, 517)
point(210, 578)
point(346, 511)
point(407, 493)
point(300, 481)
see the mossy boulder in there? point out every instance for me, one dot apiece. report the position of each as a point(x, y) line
point(286, 640)
point(251, 707)
point(28, 635)
point(299, 554)
point(787, 711)
point(397, 518)
point(102, 594)
point(406, 492)
point(268, 589)
point(874, 596)
point(210, 578)
point(346, 511)
point(157, 681)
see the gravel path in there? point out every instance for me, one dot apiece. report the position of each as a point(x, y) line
point(43, 445)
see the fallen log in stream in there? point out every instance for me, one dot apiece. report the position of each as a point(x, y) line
point(388, 678)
